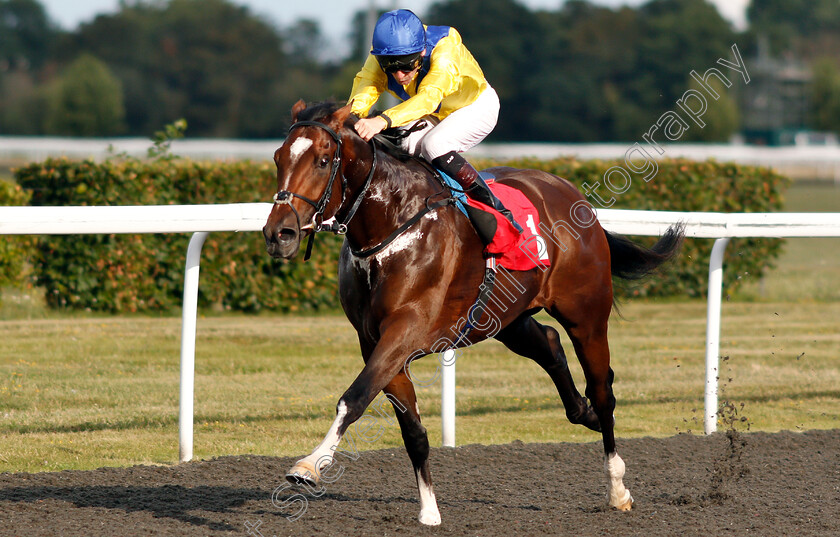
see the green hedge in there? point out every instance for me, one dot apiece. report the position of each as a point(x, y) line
point(14, 250)
point(125, 273)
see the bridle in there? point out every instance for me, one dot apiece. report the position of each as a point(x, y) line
point(284, 197)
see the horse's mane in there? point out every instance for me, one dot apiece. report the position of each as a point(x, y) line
point(319, 111)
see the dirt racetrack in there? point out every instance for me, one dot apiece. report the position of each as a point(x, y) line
point(727, 484)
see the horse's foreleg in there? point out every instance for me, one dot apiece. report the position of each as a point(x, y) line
point(382, 363)
point(308, 470)
point(402, 397)
point(617, 494)
point(593, 351)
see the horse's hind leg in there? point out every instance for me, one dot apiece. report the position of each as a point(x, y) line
point(527, 337)
point(589, 338)
point(400, 392)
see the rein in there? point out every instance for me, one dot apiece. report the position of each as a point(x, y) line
point(284, 197)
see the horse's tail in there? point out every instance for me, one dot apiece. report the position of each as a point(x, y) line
point(629, 261)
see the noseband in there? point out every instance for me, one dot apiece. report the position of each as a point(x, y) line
point(284, 197)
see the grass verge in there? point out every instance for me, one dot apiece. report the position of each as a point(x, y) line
point(84, 393)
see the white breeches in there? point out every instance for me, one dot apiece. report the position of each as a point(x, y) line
point(459, 131)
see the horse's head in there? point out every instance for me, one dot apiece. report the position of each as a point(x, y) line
point(311, 183)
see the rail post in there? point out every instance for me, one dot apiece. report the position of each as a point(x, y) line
point(447, 399)
point(188, 325)
point(713, 334)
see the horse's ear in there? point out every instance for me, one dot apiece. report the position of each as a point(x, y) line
point(296, 109)
point(343, 113)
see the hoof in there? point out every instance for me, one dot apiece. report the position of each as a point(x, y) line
point(303, 473)
point(430, 518)
point(625, 504)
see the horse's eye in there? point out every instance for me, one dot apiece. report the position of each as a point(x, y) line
point(323, 162)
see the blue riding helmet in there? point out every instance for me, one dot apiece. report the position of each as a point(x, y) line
point(398, 33)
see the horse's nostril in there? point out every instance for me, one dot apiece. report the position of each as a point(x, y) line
point(286, 235)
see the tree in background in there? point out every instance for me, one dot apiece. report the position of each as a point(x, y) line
point(825, 96)
point(303, 42)
point(25, 35)
point(808, 28)
point(580, 73)
point(505, 38)
point(23, 104)
point(209, 61)
point(86, 101)
point(721, 118)
point(588, 73)
point(585, 77)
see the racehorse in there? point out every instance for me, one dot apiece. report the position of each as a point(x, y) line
point(410, 270)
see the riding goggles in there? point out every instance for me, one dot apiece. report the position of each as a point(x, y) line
point(405, 63)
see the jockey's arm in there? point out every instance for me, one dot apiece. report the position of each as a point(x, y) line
point(368, 85)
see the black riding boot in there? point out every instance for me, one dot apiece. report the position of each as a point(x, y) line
point(456, 166)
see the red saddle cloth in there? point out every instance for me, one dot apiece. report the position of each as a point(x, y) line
point(515, 251)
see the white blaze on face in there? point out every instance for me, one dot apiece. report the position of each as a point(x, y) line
point(298, 148)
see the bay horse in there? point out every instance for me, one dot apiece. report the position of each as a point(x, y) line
point(404, 295)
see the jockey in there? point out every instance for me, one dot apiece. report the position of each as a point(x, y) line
point(437, 79)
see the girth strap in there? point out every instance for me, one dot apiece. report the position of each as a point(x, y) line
point(476, 312)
